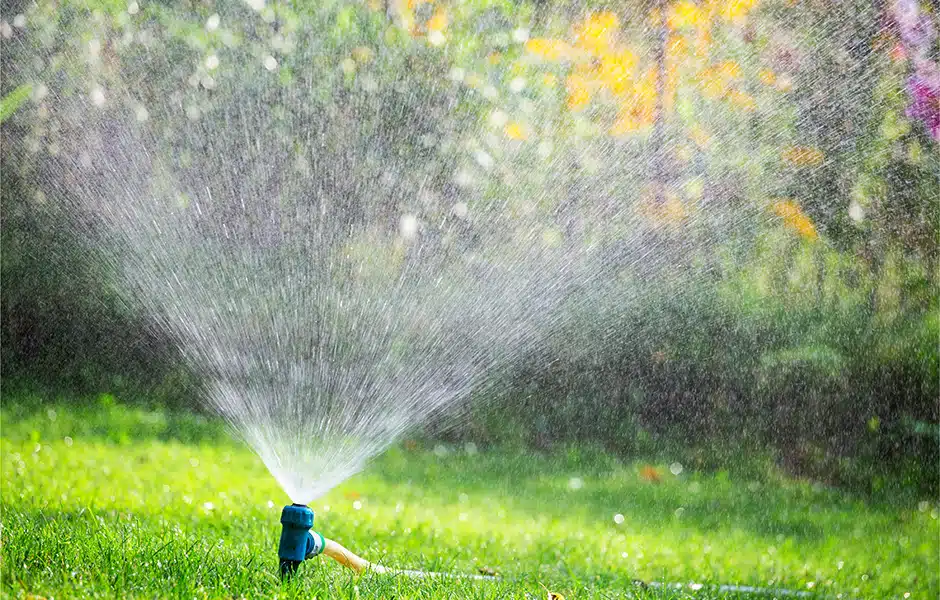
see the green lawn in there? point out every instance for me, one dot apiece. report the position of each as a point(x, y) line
point(112, 501)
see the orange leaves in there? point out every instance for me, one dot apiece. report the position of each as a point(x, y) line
point(550, 49)
point(579, 92)
point(615, 70)
point(433, 28)
point(596, 33)
point(795, 219)
point(736, 10)
point(650, 474)
point(602, 68)
point(684, 14)
point(720, 81)
point(438, 21)
point(803, 156)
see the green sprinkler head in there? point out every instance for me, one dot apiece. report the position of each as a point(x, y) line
point(297, 541)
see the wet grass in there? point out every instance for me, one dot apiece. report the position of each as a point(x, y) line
point(110, 501)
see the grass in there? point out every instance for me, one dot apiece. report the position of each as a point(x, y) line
point(112, 501)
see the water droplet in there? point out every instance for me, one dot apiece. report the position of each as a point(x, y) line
point(457, 74)
point(498, 118)
point(270, 63)
point(618, 519)
point(194, 462)
point(460, 210)
point(212, 23)
point(483, 159)
point(212, 62)
point(856, 212)
point(923, 506)
point(51, 414)
point(436, 38)
point(208, 506)
point(679, 512)
point(520, 35)
point(408, 228)
point(440, 450)
point(517, 84)
point(141, 114)
point(357, 505)
point(575, 483)
point(133, 8)
point(490, 93)
point(97, 96)
point(675, 468)
point(255, 4)
point(19, 21)
point(68, 441)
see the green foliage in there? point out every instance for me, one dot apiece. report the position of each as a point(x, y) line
point(13, 100)
point(175, 510)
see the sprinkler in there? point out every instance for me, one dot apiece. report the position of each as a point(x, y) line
point(297, 541)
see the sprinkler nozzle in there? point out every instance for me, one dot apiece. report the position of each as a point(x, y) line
point(297, 541)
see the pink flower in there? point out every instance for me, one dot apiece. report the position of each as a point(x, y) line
point(925, 102)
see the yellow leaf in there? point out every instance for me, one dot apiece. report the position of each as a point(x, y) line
point(684, 14)
point(579, 94)
point(438, 22)
point(596, 33)
point(803, 156)
point(767, 77)
point(736, 10)
point(625, 123)
point(741, 100)
point(516, 131)
point(794, 218)
point(616, 70)
point(549, 49)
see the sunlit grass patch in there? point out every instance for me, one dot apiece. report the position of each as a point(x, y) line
point(109, 501)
